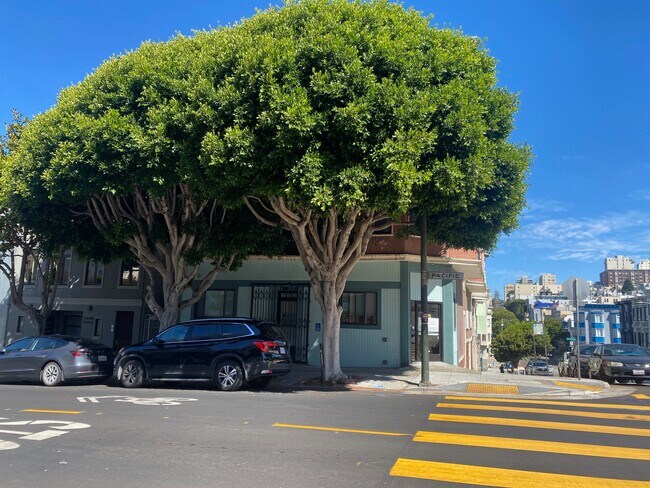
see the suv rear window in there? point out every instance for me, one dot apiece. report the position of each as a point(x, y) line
point(269, 331)
point(235, 330)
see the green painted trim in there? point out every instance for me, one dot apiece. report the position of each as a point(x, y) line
point(449, 331)
point(405, 316)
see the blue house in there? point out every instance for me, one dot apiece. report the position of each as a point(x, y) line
point(601, 322)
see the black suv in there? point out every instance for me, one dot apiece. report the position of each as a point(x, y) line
point(227, 351)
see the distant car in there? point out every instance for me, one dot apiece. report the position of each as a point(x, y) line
point(572, 364)
point(620, 362)
point(538, 367)
point(55, 358)
point(226, 351)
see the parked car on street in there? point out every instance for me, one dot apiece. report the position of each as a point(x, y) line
point(226, 351)
point(585, 354)
point(53, 359)
point(620, 362)
point(538, 367)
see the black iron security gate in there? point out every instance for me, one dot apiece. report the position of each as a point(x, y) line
point(288, 306)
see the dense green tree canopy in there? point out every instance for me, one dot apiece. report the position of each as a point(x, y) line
point(519, 307)
point(501, 317)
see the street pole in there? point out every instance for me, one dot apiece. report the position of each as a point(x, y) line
point(575, 299)
point(424, 297)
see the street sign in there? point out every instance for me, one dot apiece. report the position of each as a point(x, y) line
point(538, 329)
point(446, 275)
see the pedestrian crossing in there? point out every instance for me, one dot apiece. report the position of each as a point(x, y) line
point(482, 450)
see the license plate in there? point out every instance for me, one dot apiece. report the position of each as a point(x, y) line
point(102, 358)
point(283, 350)
point(638, 371)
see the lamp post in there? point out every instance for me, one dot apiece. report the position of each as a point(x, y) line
point(577, 322)
point(424, 297)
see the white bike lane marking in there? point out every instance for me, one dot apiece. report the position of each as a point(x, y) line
point(157, 401)
point(55, 428)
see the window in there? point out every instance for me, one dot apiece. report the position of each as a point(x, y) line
point(129, 273)
point(616, 333)
point(359, 308)
point(30, 270)
point(174, 334)
point(19, 325)
point(21, 345)
point(219, 303)
point(97, 332)
point(385, 228)
point(64, 279)
point(94, 273)
point(43, 343)
point(205, 332)
point(235, 330)
point(597, 333)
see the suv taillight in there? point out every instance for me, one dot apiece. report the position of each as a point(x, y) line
point(264, 346)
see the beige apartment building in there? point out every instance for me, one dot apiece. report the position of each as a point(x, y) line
point(525, 288)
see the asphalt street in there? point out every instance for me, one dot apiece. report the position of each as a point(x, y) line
point(100, 436)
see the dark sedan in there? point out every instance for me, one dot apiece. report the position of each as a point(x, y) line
point(54, 359)
point(572, 365)
point(620, 362)
point(226, 351)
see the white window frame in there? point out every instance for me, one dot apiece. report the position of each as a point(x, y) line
point(97, 265)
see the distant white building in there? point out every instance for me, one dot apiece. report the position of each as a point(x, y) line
point(645, 264)
point(619, 262)
point(527, 289)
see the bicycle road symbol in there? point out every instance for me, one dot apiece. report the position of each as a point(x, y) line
point(138, 401)
point(54, 428)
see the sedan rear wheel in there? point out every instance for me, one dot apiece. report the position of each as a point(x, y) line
point(228, 375)
point(51, 375)
point(132, 374)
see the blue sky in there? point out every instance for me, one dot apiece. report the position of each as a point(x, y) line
point(581, 67)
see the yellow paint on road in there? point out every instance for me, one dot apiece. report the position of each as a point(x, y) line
point(541, 424)
point(504, 478)
point(533, 445)
point(65, 412)
point(337, 429)
point(605, 406)
point(492, 389)
point(641, 396)
point(578, 386)
point(548, 411)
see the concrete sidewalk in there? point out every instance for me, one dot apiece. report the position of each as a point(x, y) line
point(447, 379)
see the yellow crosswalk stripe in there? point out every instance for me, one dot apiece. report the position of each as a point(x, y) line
point(533, 445)
point(337, 429)
point(548, 411)
point(604, 406)
point(541, 424)
point(504, 478)
point(641, 396)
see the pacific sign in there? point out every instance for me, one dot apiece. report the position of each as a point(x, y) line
point(446, 275)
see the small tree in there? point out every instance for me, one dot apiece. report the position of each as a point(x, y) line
point(628, 287)
point(513, 343)
point(556, 332)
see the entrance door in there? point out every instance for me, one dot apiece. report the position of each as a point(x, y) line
point(434, 309)
point(123, 330)
point(288, 306)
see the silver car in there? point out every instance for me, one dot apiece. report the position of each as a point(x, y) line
point(54, 359)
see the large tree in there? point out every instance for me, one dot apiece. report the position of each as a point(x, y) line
point(26, 258)
point(334, 116)
point(501, 318)
point(519, 307)
point(121, 150)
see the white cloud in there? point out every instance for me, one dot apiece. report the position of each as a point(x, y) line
point(587, 239)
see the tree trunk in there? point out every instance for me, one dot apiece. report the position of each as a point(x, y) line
point(331, 310)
